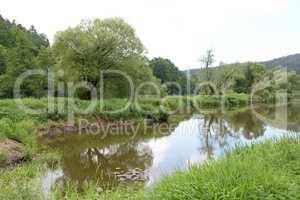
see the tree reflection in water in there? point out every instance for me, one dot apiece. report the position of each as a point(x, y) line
point(108, 166)
point(217, 130)
point(118, 160)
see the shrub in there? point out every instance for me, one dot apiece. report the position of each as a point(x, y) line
point(232, 100)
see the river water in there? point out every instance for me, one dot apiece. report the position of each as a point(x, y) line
point(146, 158)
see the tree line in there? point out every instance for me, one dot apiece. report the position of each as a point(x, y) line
point(92, 46)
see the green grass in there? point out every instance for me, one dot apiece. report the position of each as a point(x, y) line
point(9, 109)
point(23, 131)
point(3, 157)
point(22, 183)
point(18, 125)
point(263, 171)
point(270, 170)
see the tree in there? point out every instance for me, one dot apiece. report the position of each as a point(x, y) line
point(226, 77)
point(207, 60)
point(93, 46)
point(3, 60)
point(166, 71)
point(19, 51)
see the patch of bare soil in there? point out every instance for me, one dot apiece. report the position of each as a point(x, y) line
point(12, 152)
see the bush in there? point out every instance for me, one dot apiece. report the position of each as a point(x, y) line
point(235, 100)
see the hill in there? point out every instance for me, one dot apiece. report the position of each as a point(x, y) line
point(292, 62)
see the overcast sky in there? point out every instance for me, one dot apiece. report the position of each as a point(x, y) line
point(181, 30)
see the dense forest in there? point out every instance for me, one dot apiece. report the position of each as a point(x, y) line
point(81, 52)
point(20, 50)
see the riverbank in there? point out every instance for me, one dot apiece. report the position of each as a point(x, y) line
point(268, 170)
point(18, 180)
point(16, 124)
point(31, 172)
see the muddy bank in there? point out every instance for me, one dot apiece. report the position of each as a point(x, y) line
point(63, 128)
point(99, 125)
point(11, 152)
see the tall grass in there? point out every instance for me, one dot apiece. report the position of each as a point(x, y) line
point(20, 183)
point(262, 171)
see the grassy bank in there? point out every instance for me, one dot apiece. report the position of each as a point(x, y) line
point(17, 124)
point(262, 171)
point(139, 108)
point(22, 183)
point(270, 170)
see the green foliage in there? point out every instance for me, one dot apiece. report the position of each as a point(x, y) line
point(81, 52)
point(166, 71)
point(273, 175)
point(21, 182)
point(6, 128)
point(94, 46)
point(3, 59)
point(3, 157)
point(254, 78)
point(11, 114)
point(228, 101)
point(205, 101)
point(236, 100)
point(20, 51)
point(23, 131)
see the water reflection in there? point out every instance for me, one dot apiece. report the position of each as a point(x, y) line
point(146, 158)
point(108, 165)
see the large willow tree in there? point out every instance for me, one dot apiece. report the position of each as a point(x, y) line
point(96, 45)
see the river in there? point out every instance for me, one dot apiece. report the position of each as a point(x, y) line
point(146, 158)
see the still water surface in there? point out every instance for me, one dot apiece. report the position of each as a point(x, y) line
point(148, 157)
